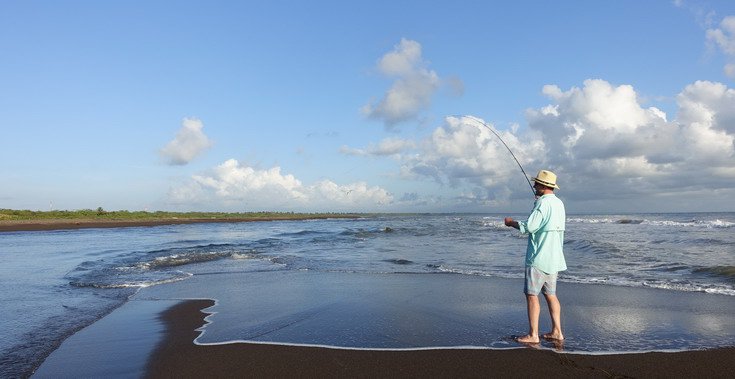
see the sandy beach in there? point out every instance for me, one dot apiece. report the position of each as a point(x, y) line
point(158, 334)
point(177, 356)
point(167, 350)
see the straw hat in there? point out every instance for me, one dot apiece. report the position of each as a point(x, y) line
point(546, 178)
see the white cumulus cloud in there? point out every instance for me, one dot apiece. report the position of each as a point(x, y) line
point(464, 151)
point(598, 121)
point(707, 113)
point(190, 141)
point(601, 134)
point(601, 142)
point(724, 38)
point(412, 89)
point(233, 185)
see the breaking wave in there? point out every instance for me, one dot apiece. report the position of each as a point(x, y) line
point(144, 269)
point(716, 223)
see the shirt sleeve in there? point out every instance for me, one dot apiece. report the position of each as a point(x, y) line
point(535, 219)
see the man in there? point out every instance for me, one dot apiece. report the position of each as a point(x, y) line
point(544, 255)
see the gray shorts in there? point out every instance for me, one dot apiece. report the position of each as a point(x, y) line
point(537, 281)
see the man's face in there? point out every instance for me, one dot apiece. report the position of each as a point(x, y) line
point(538, 188)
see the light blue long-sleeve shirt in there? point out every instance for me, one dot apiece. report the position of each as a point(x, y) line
point(545, 228)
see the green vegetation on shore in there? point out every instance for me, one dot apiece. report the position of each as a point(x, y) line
point(122, 215)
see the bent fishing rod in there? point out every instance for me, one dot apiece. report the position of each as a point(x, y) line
point(506, 146)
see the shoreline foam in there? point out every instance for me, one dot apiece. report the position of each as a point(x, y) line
point(409, 310)
point(177, 355)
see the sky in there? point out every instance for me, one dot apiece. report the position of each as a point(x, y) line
point(379, 106)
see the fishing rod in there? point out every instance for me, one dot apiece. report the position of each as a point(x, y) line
point(506, 146)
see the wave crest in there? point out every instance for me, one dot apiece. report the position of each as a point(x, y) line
point(716, 223)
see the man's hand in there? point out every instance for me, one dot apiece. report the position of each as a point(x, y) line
point(510, 222)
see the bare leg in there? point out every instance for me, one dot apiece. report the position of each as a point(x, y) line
point(534, 308)
point(555, 313)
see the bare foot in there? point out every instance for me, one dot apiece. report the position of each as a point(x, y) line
point(552, 336)
point(557, 344)
point(528, 339)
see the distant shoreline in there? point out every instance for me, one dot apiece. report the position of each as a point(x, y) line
point(86, 223)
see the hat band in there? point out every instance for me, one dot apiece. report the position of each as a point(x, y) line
point(548, 184)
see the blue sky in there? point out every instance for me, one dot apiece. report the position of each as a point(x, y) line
point(334, 106)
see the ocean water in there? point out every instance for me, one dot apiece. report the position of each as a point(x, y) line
point(56, 282)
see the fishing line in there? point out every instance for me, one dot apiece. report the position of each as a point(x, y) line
point(506, 146)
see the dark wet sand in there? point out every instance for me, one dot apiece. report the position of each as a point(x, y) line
point(177, 356)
